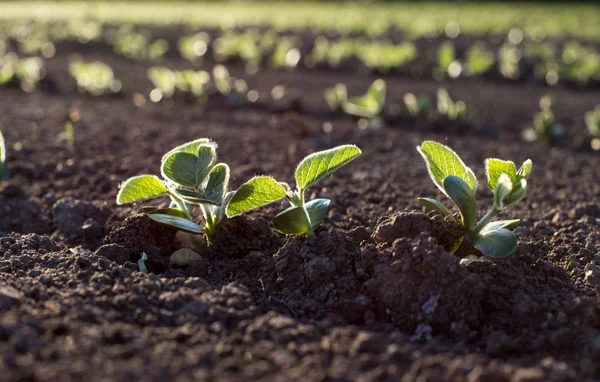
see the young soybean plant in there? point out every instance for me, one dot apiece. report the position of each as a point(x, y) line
point(336, 97)
point(371, 105)
point(458, 182)
point(302, 217)
point(191, 179)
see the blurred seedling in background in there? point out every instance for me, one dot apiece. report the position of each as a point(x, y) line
point(137, 46)
point(302, 217)
point(68, 135)
point(167, 82)
point(447, 64)
point(369, 107)
point(94, 78)
point(545, 126)
point(385, 57)
point(454, 111)
point(478, 60)
point(233, 89)
point(417, 106)
point(192, 180)
point(336, 97)
point(27, 72)
point(286, 54)
point(457, 181)
point(592, 121)
point(193, 48)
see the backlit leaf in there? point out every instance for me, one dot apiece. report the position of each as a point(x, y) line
point(320, 164)
point(257, 192)
point(442, 161)
point(496, 167)
point(140, 188)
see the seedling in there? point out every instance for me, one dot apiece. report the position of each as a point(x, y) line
point(193, 82)
point(3, 169)
point(592, 121)
point(193, 48)
point(164, 81)
point(191, 179)
point(417, 106)
point(478, 60)
point(302, 217)
point(454, 111)
point(286, 54)
point(233, 89)
point(336, 97)
point(95, 78)
point(545, 126)
point(447, 65)
point(385, 57)
point(370, 105)
point(457, 181)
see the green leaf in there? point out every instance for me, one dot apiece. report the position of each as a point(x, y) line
point(434, 205)
point(317, 209)
point(318, 165)
point(498, 224)
point(207, 155)
point(189, 147)
point(195, 197)
point(292, 221)
point(140, 188)
point(497, 243)
point(218, 180)
point(463, 196)
point(257, 192)
point(180, 168)
point(178, 223)
point(525, 169)
point(166, 211)
point(496, 167)
point(2, 157)
point(519, 191)
point(442, 161)
point(503, 188)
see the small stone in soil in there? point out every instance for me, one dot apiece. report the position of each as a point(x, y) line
point(184, 257)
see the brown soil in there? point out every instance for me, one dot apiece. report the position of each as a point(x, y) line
point(374, 296)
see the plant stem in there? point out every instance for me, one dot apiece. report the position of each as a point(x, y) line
point(487, 218)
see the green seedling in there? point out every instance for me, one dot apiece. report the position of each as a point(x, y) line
point(68, 135)
point(302, 217)
point(3, 169)
point(478, 60)
point(592, 121)
point(446, 58)
point(95, 78)
point(192, 82)
point(457, 181)
point(193, 48)
point(385, 57)
point(370, 105)
point(545, 126)
point(191, 179)
point(336, 97)
point(286, 54)
point(164, 81)
point(233, 89)
point(454, 111)
point(417, 106)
